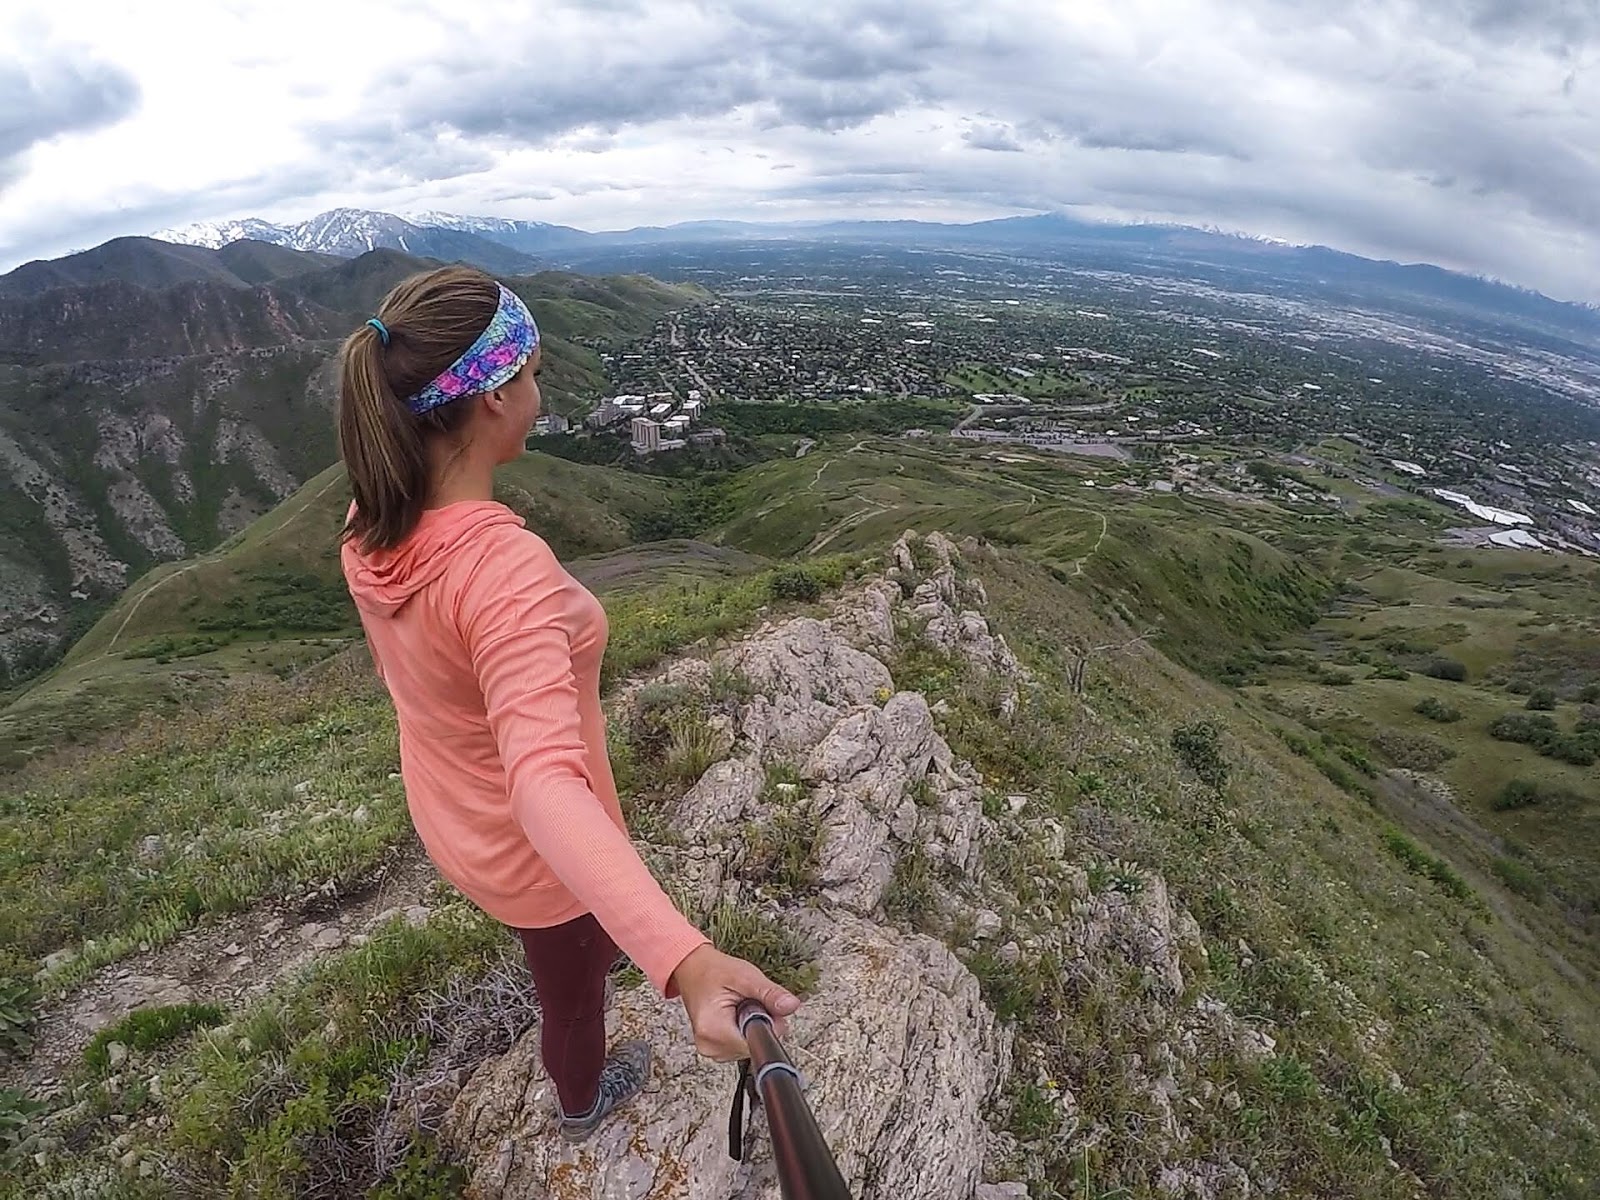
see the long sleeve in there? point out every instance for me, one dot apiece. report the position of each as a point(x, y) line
point(513, 622)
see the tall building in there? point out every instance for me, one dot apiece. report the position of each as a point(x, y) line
point(646, 435)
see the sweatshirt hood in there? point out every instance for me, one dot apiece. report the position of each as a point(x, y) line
point(381, 582)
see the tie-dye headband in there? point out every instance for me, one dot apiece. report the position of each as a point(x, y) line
point(506, 343)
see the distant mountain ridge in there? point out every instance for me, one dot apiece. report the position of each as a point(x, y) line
point(350, 231)
point(347, 232)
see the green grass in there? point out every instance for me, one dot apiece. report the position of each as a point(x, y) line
point(222, 791)
point(748, 933)
point(148, 1029)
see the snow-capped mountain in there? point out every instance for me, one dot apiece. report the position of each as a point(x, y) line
point(348, 232)
point(214, 235)
point(532, 237)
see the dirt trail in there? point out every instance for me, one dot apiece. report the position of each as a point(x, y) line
point(226, 961)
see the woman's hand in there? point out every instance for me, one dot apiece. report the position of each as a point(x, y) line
point(712, 984)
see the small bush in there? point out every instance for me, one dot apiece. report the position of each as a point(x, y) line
point(16, 1016)
point(1518, 727)
point(693, 745)
point(1335, 677)
point(1519, 877)
point(747, 933)
point(1541, 699)
point(1519, 793)
point(1589, 693)
point(786, 852)
point(16, 1114)
point(1413, 751)
point(1199, 745)
point(1436, 710)
point(1389, 670)
point(910, 898)
point(1446, 668)
point(795, 582)
point(1577, 750)
point(1420, 862)
point(1013, 990)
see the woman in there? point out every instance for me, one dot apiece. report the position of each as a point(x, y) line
point(491, 653)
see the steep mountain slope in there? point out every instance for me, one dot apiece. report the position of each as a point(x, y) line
point(144, 423)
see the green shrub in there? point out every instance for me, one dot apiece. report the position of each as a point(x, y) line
point(1389, 670)
point(1519, 877)
point(1519, 793)
point(910, 898)
point(16, 1114)
point(1199, 745)
point(1418, 861)
point(1581, 747)
point(794, 583)
point(1541, 699)
point(1413, 751)
point(1519, 727)
point(785, 852)
point(1446, 668)
point(1436, 710)
point(16, 1016)
point(747, 933)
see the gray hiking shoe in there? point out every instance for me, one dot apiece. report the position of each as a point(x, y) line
point(621, 1079)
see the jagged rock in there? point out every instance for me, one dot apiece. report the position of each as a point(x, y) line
point(806, 673)
point(724, 796)
point(900, 1056)
point(116, 1054)
point(987, 924)
point(57, 959)
point(866, 618)
point(856, 865)
point(152, 847)
point(1001, 1191)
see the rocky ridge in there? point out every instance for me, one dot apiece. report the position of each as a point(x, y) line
point(909, 1070)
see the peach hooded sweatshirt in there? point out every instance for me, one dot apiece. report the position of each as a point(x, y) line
point(491, 653)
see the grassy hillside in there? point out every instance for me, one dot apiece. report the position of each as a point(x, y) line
point(1205, 582)
point(271, 599)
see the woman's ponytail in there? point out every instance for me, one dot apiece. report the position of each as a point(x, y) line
point(382, 447)
point(430, 321)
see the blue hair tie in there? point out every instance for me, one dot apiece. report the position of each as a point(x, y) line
point(383, 331)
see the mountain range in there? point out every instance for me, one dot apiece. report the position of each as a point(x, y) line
point(1258, 263)
point(155, 398)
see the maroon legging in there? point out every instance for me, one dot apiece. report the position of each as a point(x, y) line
point(569, 964)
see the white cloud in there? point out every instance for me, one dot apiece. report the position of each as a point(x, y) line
point(1455, 131)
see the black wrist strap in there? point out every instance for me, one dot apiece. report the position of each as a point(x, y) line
point(736, 1116)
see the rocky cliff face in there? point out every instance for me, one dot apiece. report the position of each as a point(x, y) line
point(107, 468)
point(907, 1065)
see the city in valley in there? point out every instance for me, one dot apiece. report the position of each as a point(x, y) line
point(1175, 384)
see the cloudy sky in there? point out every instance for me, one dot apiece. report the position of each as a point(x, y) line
point(1461, 132)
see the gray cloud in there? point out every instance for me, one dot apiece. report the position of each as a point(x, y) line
point(45, 99)
point(1456, 131)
